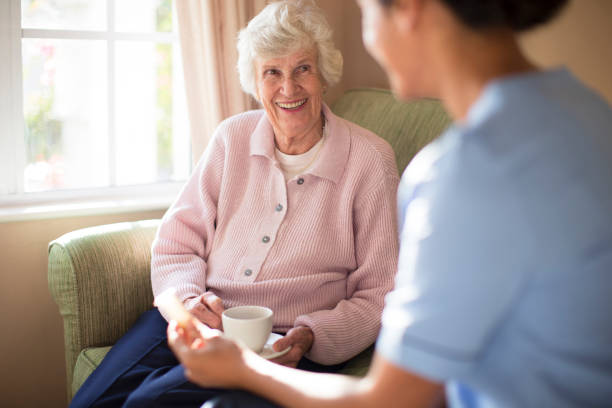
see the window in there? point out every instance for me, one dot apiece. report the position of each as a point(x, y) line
point(91, 99)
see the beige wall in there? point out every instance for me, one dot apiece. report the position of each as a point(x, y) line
point(31, 346)
point(579, 39)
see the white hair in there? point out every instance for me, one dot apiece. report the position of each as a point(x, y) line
point(284, 27)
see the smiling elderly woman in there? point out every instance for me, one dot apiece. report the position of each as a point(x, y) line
point(290, 207)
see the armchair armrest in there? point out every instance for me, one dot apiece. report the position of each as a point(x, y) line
point(100, 279)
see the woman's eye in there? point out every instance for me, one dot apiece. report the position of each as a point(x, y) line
point(271, 72)
point(303, 68)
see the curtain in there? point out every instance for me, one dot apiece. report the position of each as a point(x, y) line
point(208, 31)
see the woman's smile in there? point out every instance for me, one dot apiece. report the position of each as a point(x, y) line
point(292, 106)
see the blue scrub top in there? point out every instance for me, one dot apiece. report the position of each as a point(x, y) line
point(504, 287)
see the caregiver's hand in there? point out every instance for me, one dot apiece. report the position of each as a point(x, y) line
point(300, 339)
point(208, 308)
point(209, 359)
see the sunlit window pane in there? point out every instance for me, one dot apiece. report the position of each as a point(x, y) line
point(109, 110)
point(145, 16)
point(65, 14)
point(65, 111)
point(149, 129)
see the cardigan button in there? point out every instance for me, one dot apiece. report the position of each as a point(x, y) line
point(279, 208)
point(248, 272)
point(300, 181)
point(265, 239)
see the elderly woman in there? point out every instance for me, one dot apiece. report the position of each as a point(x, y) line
point(504, 286)
point(290, 207)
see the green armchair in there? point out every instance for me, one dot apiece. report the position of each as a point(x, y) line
point(100, 276)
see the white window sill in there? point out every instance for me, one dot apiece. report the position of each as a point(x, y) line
point(77, 204)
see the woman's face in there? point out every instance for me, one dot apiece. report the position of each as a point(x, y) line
point(290, 90)
point(391, 47)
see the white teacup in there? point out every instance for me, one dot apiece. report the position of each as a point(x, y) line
point(250, 325)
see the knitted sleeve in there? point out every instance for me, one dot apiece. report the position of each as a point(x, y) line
point(185, 236)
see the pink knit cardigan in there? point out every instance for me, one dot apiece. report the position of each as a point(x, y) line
point(320, 249)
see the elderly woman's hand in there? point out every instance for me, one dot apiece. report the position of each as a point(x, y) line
point(300, 339)
point(209, 358)
point(208, 309)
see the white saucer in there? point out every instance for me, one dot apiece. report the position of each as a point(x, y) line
point(268, 352)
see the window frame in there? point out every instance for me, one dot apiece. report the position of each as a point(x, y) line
point(15, 203)
point(11, 133)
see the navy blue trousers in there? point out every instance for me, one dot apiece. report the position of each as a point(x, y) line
point(141, 371)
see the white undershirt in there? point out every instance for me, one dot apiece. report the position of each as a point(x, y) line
point(294, 164)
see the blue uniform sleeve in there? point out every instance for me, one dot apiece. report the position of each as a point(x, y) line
point(464, 257)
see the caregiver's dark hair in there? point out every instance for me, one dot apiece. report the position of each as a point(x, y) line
point(518, 15)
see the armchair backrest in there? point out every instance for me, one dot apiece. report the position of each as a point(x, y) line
point(407, 126)
point(100, 279)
